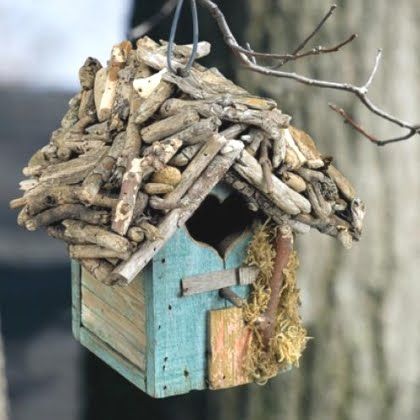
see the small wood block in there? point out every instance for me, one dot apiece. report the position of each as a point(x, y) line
point(229, 343)
point(218, 280)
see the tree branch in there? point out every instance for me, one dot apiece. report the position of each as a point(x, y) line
point(244, 54)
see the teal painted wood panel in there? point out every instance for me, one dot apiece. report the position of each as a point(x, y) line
point(108, 355)
point(76, 298)
point(177, 326)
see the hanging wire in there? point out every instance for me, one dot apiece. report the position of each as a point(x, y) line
point(186, 70)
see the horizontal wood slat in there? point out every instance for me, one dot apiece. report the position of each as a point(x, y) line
point(127, 304)
point(132, 332)
point(106, 353)
point(106, 332)
point(218, 280)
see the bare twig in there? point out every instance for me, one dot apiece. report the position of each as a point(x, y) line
point(360, 92)
point(363, 132)
point(146, 26)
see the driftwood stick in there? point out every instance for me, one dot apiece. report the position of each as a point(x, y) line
point(321, 207)
point(100, 269)
point(139, 169)
point(95, 235)
point(57, 232)
point(79, 252)
point(142, 201)
point(265, 163)
point(46, 197)
point(155, 56)
point(119, 55)
point(294, 181)
point(198, 132)
point(102, 172)
point(191, 173)
point(213, 106)
point(157, 188)
point(68, 211)
point(88, 72)
point(187, 153)
point(169, 126)
point(284, 247)
point(284, 197)
point(256, 136)
point(73, 171)
point(152, 103)
point(127, 271)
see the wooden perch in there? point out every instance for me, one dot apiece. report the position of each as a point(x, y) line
point(126, 272)
point(284, 248)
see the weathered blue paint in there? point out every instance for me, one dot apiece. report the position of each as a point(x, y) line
point(177, 333)
point(176, 326)
point(113, 359)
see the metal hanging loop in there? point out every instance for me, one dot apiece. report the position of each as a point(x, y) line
point(186, 70)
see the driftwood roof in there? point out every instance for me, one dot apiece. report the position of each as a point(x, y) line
point(140, 148)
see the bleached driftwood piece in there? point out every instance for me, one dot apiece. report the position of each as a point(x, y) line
point(103, 170)
point(126, 272)
point(119, 55)
point(139, 169)
point(91, 234)
point(153, 102)
point(284, 197)
point(67, 211)
point(190, 174)
point(169, 126)
point(79, 252)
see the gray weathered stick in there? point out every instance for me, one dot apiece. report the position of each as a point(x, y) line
point(126, 272)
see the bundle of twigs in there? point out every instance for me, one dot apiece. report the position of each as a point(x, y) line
point(140, 148)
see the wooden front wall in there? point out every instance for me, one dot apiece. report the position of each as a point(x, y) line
point(148, 331)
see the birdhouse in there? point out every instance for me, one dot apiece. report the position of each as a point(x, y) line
point(179, 197)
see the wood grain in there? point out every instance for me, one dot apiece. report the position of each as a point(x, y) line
point(229, 340)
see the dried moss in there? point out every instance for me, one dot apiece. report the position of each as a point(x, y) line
point(290, 338)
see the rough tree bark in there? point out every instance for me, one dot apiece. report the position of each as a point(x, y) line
point(361, 306)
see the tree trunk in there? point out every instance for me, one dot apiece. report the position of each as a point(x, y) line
point(361, 306)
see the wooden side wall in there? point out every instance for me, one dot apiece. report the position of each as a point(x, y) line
point(90, 324)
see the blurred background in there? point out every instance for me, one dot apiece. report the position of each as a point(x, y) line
point(361, 306)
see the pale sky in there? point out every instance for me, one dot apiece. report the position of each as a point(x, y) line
point(46, 41)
